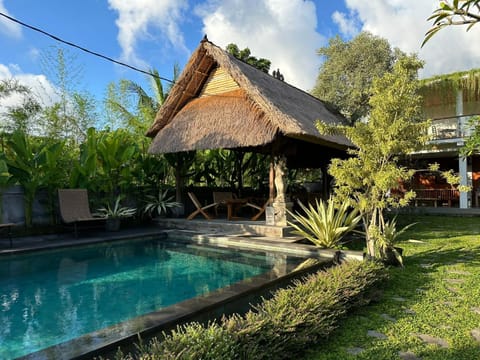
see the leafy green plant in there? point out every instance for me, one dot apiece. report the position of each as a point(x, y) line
point(5, 180)
point(395, 127)
point(31, 162)
point(116, 211)
point(325, 224)
point(386, 241)
point(160, 204)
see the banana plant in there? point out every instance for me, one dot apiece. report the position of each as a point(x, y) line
point(6, 180)
point(84, 170)
point(53, 156)
point(116, 155)
point(26, 160)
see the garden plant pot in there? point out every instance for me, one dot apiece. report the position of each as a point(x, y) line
point(390, 258)
point(112, 224)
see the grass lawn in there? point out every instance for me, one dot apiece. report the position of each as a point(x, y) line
point(436, 297)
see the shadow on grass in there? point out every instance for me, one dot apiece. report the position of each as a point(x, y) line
point(381, 352)
point(429, 227)
point(396, 305)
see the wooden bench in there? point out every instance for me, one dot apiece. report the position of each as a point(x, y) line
point(436, 195)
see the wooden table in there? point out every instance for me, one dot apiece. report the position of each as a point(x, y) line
point(232, 206)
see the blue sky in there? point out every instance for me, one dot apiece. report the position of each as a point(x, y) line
point(160, 33)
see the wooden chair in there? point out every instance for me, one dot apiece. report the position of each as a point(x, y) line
point(261, 209)
point(200, 209)
point(75, 209)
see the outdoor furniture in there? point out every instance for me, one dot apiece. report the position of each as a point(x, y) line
point(75, 209)
point(8, 228)
point(261, 209)
point(232, 206)
point(221, 198)
point(200, 209)
point(437, 195)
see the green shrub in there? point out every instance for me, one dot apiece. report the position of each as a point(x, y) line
point(279, 328)
point(194, 341)
point(326, 223)
point(295, 317)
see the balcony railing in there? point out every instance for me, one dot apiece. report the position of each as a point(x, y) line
point(450, 128)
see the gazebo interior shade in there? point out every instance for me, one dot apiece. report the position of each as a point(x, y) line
point(227, 120)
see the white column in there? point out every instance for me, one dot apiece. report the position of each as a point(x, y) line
point(462, 161)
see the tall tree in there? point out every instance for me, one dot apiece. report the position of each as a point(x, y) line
point(137, 113)
point(19, 116)
point(246, 56)
point(349, 67)
point(73, 110)
point(395, 127)
point(456, 12)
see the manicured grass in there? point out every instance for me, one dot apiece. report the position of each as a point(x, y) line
point(436, 294)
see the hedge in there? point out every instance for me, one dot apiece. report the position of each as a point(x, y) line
point(281, 327)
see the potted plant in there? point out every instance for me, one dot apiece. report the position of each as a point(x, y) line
point(114, 214)
point(391, 254)
point(160, 204)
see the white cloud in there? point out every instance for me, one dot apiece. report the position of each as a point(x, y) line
point(137, 18)
point(8, 27)
point(347, 26)
point(404, 24)
point(40, 86)
point(283, 31)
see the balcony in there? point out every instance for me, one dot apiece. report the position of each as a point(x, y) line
point(450, 129)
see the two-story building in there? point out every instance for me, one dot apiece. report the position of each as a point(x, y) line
point(450, 101)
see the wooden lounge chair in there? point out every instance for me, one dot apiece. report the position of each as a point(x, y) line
point(75, 209)
point(8, 228)
point(200, 209)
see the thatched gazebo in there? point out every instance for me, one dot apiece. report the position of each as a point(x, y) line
point(220, 102)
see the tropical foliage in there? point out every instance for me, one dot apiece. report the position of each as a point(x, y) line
point(116, 210)
point(326, 223)
point(388, 239)
point(349, 67)
point(367, 178)
point(246, 56)
point(160, 204)
point(455, 12)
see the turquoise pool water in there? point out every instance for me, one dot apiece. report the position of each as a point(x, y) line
point(50, 297)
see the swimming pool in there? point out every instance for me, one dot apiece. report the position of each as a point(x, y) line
point(53, 297)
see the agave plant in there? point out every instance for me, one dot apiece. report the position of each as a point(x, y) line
point(115, 211)
point(386, 242)
point(159, 205)
point(325, 224)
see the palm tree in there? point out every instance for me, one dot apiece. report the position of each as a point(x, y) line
point(141, 117)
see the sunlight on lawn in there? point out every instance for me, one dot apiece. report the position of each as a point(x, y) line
point(428, 310)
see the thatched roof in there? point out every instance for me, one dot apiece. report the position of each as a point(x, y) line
point(221, 102)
